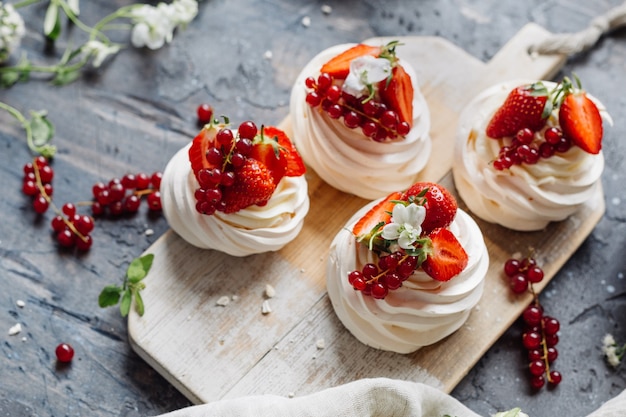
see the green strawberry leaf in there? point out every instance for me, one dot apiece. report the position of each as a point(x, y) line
point(41, 128)
point(125, 303)
point(139, 267)
point(109, 296)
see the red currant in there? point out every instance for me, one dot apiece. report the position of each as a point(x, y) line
point(154, 201)
point(205, 113)
point(247, 130)
point(64, 353)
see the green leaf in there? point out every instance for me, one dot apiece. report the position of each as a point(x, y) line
point(139, 267)
point(8, 79)
point(52, 22)
point(139, 306)
point(41, 128)
point(65, 76)
point(109, 296)
point(127, 298)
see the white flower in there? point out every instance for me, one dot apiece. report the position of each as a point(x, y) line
point(100, 51)
point(154, 26)
point(405, 225)
point(364, 72)
point(609, 347)
point(11, 30)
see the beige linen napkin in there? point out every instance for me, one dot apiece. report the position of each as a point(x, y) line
point(375, 397)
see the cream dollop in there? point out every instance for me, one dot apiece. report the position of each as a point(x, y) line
point(252, 230)
point(525, 197)
point(344, 157)
point(419, 313)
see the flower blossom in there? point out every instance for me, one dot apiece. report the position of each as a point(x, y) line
point(11, 30)
point(405, 225)
point(153, 26)
point(611, 350)
point(100, 51)
point(364, 72)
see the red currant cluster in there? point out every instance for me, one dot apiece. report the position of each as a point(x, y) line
point(72, 229)
point(526, 149)
point(124, 195)
point(540, 335)
point(38, 183)
point(372, 116)
point(376, 280)
point(229, 152)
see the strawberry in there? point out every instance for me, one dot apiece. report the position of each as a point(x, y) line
point(526, 106)
point(446, 257)
point(369, 225)
point(397, 93)
point(581, 122)
point(339, 66)
point(295, 165)
point(253, 185)
point(201, 143)
point(440, 205)
point(268, 154)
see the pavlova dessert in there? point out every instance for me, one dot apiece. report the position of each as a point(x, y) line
point(529, 153)
point(237, 191)
point(407, 269)
point(357, 111)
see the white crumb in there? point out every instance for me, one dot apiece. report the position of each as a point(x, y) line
point(326, 9)
point(302, 270)
point(24, 339)
point(20, 303)
point(314, 357)
point(223, 301)
point(148, 232)
point(270, 292)
point(320, 344)
point(306, 21)
point(235, 298)
point(291, 395)
point(15, 329)
point(268, 55)
point(265, 308)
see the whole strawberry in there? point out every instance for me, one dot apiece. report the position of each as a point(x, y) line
point(440, 205)
point(526, 106)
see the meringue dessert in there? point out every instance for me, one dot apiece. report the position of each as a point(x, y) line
point(529, 153)
point(357, 111)
point(407, 279)
point(240, 192)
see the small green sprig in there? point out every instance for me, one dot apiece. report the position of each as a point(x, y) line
point(39, 130)
point(133, 283)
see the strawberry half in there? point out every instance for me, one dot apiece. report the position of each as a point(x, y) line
point(397, 93)
point(339, 66)
point(379, 215)
point(268, 154)
point(447, 258)
point(295, 164)
point(440, 205)
point(581, 122)
point(253, 185)
point(201, 143)
point(527, 106)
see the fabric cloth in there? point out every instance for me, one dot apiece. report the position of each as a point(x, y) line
point(375, 397)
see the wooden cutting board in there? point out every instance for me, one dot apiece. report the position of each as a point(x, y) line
point(211, 352)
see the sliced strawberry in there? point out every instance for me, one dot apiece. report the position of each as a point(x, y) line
point(268, 153)
point(447, 258)
point(397, 93)
point(440, 205)
point(375, 218)
point(295, 164)
point(581, 122)
point(339, 66)
point(201, 143)
point(253, 185)
point(524, 107)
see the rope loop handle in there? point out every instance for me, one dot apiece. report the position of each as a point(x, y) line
point(573, 43)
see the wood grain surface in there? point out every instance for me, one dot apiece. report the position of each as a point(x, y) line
point(209, 351)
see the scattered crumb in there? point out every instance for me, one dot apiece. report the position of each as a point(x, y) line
point(188, 318)
point(235, 298)
point(302, 270)
point(314, 356)
point(148, 232)
point(270, 292)
point(320, 344)
point(221, 340)
point(268, 55)
point(265, 308)
point(24, 339)
point(291, 395)
point(306, 21)
point(15, 329)
point(326, 9)
point(223, 301)
point(20, 303)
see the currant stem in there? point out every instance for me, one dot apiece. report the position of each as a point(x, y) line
point(544, 344)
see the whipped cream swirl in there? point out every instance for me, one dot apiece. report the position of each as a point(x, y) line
point(344, 157)
point(252, 230)
point(524, 197)
point(419, 313)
